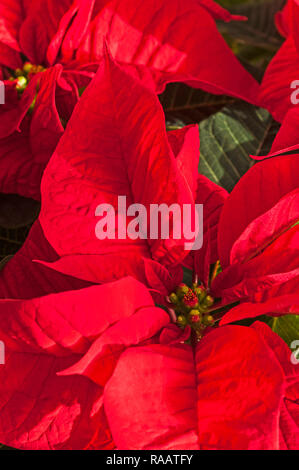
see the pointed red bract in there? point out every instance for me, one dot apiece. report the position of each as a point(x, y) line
point(259, 190)
point(253, 278)
point(11, 15)
point(289, 410)
point(27, 142)
point(286, 139)
point(278, 306)
point(276, 91)
point(279, 89)
point(83, 369)
point(21, 278)
point(41, 408)
point(228, 397)
point(34, 29)
point(56, 323)
point(258, 223)
point(213, 198)
point(179, 41)
point(265, 229)
point(116, 156)
point(41, 411)
point(72, 35)
point(283, 19)
point(42, 20)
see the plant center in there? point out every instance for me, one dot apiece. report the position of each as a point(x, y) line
point(21, 77)
point(192, 306)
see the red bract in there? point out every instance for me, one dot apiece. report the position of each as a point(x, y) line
point(286, 139)
point(254, 272)
point(31, 118)
point(28, 140)
point(21, 278)
point(283, 18)
point(40, 406)
point(235, 391)
point(258, 191)
point(125, 150)
point(279, 89)
point(174, 39)
point(258, 223)
point(160, 44)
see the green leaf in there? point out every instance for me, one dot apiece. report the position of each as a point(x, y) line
point(4, 261)
point(189, 105)
point(2, 447)
point(11, 241)
point(229, 137)
point(229, 3)
point(17, 211)
point(188, 277)
point(259, 30)
point(287, 327)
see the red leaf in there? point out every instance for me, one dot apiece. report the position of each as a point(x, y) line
point(42, 20)
point(116, 155)
point(276, 91)
point(22, 279)
point(228, 398)
point(54, 324)
point(11, 16)
point(278, 306)
point(41, 408)
point(212, 197)
point(175, 39)
point(265, 229)
point(28, 142)
point(256, 193)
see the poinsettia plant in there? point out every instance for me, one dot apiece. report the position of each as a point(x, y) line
point(154, 303)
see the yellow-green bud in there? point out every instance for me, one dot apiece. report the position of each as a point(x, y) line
point(208, 320)
point(195, 312)
point(173, 298)
point(181, 320)
point(208, 301)
point(182, 290)
point(21, 83)
point(27, 67)
point(200, 293)
point(30, 110)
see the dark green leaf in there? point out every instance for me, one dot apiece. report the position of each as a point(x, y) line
point(2, 447)
point(287, 327)
point(229, 137)
point(190, 105)
point(260, 30)
point(17, 211)
point(4, 261)
point(11, 241)
point(188, 277)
